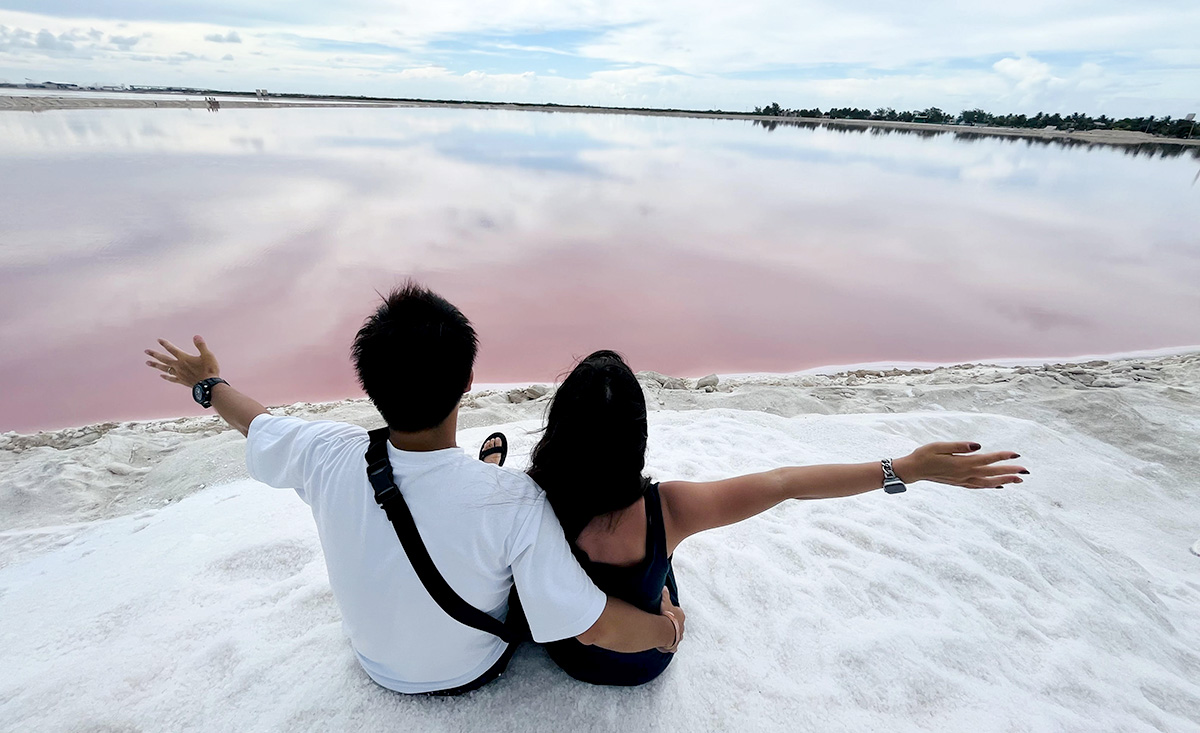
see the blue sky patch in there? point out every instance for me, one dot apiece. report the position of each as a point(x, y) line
point(309, 43)
point(544, 53)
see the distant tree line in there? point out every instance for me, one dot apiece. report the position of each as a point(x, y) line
point(1156, 149)
point(1164, 126)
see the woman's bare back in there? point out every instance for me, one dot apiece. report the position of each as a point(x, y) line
point(617, 538)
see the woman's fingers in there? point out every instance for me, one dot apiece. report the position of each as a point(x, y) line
point(955, 447)
point(997, 470)
point(1006, 479)
point(991, 482)
point(984, 484)
point(984, 459)
point(959, 464)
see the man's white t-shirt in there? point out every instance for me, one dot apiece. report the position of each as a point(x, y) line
point(484, 526)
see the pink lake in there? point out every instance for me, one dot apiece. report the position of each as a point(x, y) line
point(692, 246)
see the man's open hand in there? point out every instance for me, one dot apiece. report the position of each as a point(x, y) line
point(184, 368)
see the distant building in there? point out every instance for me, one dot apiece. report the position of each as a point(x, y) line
point(51, 85)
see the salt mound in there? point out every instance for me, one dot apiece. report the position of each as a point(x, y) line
point(1067, 603)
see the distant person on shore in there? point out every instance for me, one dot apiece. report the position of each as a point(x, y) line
point(624, 527)
point(472, 533)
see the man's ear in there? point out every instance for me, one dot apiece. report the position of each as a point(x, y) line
point(470, 381)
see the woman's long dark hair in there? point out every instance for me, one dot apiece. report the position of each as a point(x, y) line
point(591, 455)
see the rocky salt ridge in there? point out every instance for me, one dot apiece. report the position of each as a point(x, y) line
point(1147, 407)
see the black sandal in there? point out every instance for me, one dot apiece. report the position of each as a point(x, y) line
point(502, 449)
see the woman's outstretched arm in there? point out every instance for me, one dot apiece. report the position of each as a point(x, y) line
point(690, 506)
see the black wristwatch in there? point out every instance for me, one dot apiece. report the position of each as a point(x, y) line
point(891, 482)
point(202, 392)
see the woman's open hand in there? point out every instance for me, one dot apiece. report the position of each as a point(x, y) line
point(959, 464)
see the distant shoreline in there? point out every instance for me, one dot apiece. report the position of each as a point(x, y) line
point(1100, 371)
point(135, 100)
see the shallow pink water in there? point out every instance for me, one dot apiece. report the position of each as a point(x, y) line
point(691, 246)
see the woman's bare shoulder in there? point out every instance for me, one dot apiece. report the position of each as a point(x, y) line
point(671, 496)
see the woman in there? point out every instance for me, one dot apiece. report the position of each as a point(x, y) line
point(624, 528)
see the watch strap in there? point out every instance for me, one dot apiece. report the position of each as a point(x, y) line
point(206, 388)
point(891, 482)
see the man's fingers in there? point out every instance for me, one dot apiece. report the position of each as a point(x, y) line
point(161, 357)
point(175, 350)
point(170, 378)
point(161, 367)
point(203, 347)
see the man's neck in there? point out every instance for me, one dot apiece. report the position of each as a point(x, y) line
point(438, 437)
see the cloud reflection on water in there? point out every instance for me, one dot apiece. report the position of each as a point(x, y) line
point(690, 245)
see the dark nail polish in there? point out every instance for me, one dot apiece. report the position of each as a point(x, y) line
point(975, 446)
point(1016, 456)
point(1024, 472)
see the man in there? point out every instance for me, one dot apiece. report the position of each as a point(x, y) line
point(485, 527)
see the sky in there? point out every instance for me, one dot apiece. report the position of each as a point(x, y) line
point(1095, 56)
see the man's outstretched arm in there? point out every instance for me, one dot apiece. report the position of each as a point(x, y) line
point(180, 367)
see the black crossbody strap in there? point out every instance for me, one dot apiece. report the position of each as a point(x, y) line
point(389, 498)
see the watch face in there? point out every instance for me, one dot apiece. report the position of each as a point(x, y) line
point(198, 393)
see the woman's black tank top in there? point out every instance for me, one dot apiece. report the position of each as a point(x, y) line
point(640, 585)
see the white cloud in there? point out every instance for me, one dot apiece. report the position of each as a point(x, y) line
point(1027, 73)
point(124, 42)
point(47, 41)
point(230, 37)
point(424, 72)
